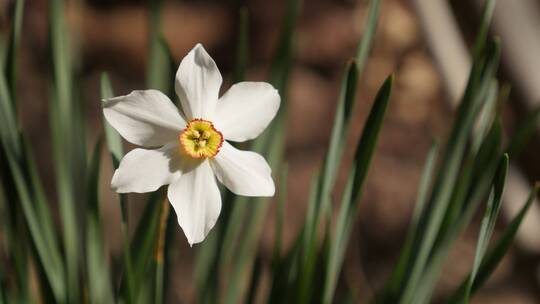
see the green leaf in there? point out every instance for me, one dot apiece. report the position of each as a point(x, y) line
point(13, 47)
point(327, 179)
point(99, 284)
point(473, 184)
point(369, 33)
point(423, 192)
point(350, 200)
point(48, 257)
point(69, 146)
point(30, 194)
point(338, 138)
point(485, 21)
point(494, 256)
point(432, 219)
point(487, 114)
point(488, 222)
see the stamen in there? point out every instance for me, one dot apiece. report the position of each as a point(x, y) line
point(200, 139)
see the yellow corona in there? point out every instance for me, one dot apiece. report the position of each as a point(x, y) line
point(200, 139)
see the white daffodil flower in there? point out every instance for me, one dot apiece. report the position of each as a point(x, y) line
point(190, 146)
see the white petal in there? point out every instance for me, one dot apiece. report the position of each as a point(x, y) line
point(243, 172)
point(246, 110)
point(145, 118)
point(143, 170)
point(196, 200)
point(197, 84)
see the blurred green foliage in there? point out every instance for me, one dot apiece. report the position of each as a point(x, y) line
point(69, 263)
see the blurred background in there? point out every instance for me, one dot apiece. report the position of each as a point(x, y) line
point(425, 43)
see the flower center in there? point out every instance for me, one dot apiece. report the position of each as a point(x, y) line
point(200, 139)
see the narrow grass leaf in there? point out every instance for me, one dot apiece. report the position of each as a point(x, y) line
point(487, 114)
point(421, 199)
point(476, 178)
point(488, 222)
point(67, 145)
point(485, 21)
point(369, 33)
point(329, 173)
point(357, 175)
point(13, 47)
point(99, 284)
point(494, 256)
point(481, 74)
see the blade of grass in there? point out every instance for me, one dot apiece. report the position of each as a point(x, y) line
point(13, 46)
point(423, 192)
point(68, 144)
point(485, 21)
point(348, 212)
point(328, 176)
point(25, 184)
point(52, 266)
point(488, 222)
point(481, 74)
point(369, 33)
point(476, 179)
point(487, 114)
point(99, 284)
point(494, 256)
